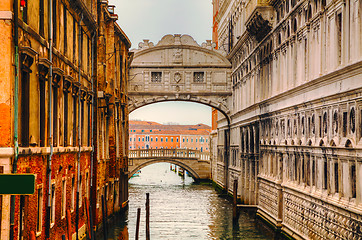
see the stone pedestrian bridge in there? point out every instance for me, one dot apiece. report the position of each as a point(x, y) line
point(195, 162)
point(178, 69)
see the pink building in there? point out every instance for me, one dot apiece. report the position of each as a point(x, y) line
point(152, 135)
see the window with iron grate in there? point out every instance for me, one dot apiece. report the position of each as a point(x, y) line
point(156, 77)
point(198, 77)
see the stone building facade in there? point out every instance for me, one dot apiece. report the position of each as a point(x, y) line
point(295, 138)
point(111, 134)
point(53, 103)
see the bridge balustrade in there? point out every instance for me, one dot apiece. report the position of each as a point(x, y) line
point(177, 153)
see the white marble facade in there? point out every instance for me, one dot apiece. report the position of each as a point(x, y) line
point(296, 113)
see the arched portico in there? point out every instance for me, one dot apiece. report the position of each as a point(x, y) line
point(178, 69)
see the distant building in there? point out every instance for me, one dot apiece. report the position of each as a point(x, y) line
point(152, 135)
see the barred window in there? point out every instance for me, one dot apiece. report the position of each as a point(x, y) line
point(199, 77)
point(353, 181)
point(345, 116)
point(352, 120)
point(156, 77)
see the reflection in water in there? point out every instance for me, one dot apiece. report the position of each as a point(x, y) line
point(180, 209)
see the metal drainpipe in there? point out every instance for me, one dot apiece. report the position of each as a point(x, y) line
point(79, 124)
point(50, 139)
point(16, 109)
point(92, 143)
point(115, 116)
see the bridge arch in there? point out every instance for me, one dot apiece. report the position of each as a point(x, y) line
point(178, 69)
point(225, 111)
point(148, 162)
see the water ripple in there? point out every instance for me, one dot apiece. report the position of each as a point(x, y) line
point(180, 209)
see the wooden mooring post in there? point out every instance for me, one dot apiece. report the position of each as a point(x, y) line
point(138, 222)
point(235, 200)
point(104, 213)
point(147, 216)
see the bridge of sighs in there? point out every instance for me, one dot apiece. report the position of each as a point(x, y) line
point(178, 69)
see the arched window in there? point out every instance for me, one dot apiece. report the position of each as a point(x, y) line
point(309, 13)
point(289, 127)
point(352, 120)
point(247, 141)
point(294, 25)
point(315, 5)
point(335, 122)
point(279, 38)
point(252, 140)
point(323, 3)
point(325, 123)
point(348, 144)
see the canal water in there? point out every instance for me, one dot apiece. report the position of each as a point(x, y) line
point(181, 209)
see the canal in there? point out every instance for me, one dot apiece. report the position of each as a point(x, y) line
point(181, 209)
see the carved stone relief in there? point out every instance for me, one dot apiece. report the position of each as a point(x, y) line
point(177, 77)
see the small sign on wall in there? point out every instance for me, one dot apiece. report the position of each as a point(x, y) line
point(17, 184)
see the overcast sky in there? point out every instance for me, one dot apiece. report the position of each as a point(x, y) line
point(152, 19)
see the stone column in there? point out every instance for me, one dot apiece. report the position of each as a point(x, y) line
point(280, 172)
point(247, 181)
point(280, 169)
point(242, 179)
point(167, 80)
point(253, 180)
point(359, 182)
point(188, 80)
point(286, 167)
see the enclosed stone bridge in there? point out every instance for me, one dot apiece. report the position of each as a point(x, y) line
point(196, 163)
point(178, 69)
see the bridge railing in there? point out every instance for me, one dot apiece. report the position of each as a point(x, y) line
point(179, 153)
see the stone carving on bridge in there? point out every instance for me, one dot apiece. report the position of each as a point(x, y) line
point(177, 59)
point(177, 56)
point(145, 44)
point(177, 77)
point(222, 100)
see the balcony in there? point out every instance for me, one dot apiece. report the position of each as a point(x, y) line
point(259, 15)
